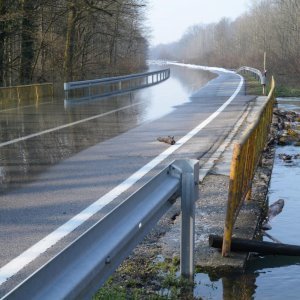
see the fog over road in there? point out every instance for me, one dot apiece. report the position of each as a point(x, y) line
point(63, 168)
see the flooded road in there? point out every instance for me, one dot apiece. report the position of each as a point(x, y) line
point(45, 215)
point(34, 136)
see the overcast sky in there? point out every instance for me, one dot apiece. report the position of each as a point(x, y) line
point(169, 19)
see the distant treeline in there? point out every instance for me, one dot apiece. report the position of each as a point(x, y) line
point(271, 26)
point(55, 40)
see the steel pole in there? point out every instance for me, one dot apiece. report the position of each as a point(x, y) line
point(189, 193)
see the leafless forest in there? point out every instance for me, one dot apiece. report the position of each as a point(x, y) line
point(56, 40)
point(64, 40)
point(271, 26)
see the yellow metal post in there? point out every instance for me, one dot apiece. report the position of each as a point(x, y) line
point(232, 196)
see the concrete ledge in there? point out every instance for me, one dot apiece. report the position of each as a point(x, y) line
point(212, 203)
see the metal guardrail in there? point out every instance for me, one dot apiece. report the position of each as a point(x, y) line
point(23, 93)
point(246, 156)
point(79, 270)
point(97, 88)
point(257, 73)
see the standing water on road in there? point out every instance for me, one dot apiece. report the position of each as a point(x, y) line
point(38, 134)
point(269, 277)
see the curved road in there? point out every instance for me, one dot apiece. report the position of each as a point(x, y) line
point(57, 196)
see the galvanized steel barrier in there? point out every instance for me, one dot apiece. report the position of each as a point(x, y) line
point(246, 156)
point(25, 93)
point(79, 270)
point(257, 73)
point(97, 88)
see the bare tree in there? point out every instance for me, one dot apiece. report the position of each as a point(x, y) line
point(70, 39)
point(271, 26)
point(29, 31)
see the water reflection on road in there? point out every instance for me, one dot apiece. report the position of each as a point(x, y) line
point(53, 140)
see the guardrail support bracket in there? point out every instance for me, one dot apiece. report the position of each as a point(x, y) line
point(189, 193)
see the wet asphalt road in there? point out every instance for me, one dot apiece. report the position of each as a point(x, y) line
point(48, 179)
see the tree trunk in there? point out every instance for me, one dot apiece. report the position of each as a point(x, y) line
point(113, 44)
point(70, 43)
point(3, 11)
point(27, 42)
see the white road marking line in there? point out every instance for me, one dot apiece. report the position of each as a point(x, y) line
point(19, 262)
point(23, 138)
point(217, 154)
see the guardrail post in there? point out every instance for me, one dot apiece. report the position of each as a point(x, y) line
point(18, 93)
point(189, 193)
point(36, 94)
point(90, 90)
point(66, 89)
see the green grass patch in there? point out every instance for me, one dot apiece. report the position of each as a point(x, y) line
point(285, 91)
point(122, 293)
point(253, 86)
point(143, 279)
